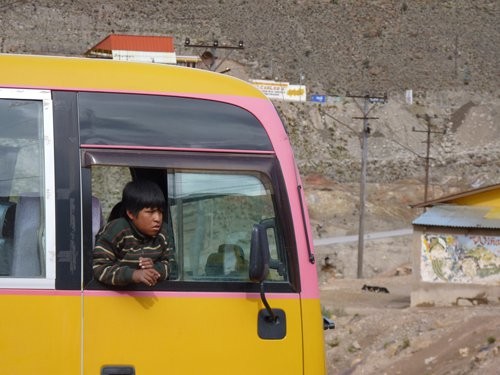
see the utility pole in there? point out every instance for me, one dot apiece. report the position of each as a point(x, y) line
point(364, 155)
point(213, 48)
point(427, 154)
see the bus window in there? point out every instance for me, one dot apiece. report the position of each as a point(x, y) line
point(210, 217)
point(23, 202)
point(138, 120)
point(213, 214)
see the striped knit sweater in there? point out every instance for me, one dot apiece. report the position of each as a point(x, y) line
point(117, 250)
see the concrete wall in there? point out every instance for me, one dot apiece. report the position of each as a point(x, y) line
point(450, 271)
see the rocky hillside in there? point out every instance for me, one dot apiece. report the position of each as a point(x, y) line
point(338, 45)
point(445, 51)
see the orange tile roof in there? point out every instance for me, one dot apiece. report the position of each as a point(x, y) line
point(135, 43)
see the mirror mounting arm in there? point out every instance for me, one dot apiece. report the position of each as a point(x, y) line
point(271, 315)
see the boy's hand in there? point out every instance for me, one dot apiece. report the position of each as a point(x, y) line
point(145, 263)
point(148, 276)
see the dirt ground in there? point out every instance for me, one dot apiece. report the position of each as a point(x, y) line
point(379, 333)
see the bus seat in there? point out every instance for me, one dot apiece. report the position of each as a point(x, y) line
point(7, 214)
point(26, 256)
point(228, 260)
point(116, 212)
point(97, 218)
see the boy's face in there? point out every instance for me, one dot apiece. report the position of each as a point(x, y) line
point(147, 221)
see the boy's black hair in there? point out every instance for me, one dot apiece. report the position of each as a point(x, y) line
point(142, 194)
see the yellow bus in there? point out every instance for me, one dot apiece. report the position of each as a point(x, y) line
point(73, 132)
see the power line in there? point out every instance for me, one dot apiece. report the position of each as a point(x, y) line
point(400, 144)
point(340, 122)
point(357, 134)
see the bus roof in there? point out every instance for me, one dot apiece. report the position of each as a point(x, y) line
point(85, 74)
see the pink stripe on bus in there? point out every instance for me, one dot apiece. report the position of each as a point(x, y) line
point(155, 294)
point(158, 148)
point(40, 292)
point(176, 294)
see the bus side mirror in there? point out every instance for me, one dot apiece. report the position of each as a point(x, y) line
point(259, 254)
point(271, 323)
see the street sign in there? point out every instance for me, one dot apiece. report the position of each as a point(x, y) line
point(318, 98)
point(281, 90)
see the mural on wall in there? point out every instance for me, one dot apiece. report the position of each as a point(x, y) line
point(460, 258)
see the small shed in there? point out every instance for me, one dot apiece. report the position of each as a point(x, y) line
point(456, 253)
point(141, 48)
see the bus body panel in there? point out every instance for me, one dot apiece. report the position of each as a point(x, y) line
point(313, 336)
point(180, 333)
point(40, 333)
point(74, 74)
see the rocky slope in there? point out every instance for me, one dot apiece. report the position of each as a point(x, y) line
point(445, 51)
point(338, 45)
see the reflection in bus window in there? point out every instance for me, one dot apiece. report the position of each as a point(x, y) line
point(213, 214)
point(22, 223)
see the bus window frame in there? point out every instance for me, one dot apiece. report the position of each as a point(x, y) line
point(210, 161)
point(48, 205)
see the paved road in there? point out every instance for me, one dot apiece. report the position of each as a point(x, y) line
point(369, 236)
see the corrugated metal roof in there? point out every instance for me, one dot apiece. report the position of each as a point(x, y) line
point(144, 43)
point(458, 217)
